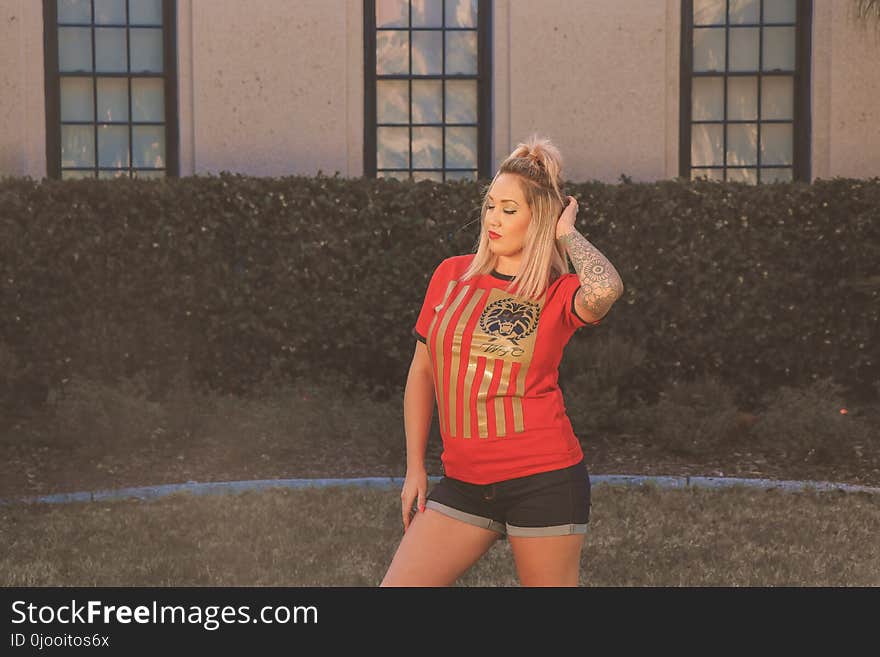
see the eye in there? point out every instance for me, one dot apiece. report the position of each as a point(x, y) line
point(505, 212)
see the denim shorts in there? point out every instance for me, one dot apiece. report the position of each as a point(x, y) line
point(549, 503)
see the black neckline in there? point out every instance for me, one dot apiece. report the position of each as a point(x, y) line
point(503, 277)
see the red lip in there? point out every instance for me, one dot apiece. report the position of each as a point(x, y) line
point(493, 235)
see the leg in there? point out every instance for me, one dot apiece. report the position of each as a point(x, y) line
point(436, 550)
point(547, 560)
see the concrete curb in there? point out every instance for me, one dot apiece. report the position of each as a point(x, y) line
point(222, 487)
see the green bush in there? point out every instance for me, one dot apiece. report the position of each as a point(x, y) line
point(806, 423)
point(696, 417)
point(232, 276)
point(594, 370)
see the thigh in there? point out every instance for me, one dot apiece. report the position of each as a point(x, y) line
point(547, 560)
point(436, 550)
point(546, 523)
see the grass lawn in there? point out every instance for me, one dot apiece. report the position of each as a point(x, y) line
point(346, 536)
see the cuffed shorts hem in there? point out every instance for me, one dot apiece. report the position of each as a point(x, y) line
point(553, 530)
point(470, 518)
point(506, 529)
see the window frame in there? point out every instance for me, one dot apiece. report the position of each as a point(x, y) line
point(53, 91)
point(483, 79)
point(802, 115)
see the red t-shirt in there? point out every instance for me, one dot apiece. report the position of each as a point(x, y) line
point(495, 360)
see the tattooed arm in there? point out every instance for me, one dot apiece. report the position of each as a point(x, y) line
point(601, 285)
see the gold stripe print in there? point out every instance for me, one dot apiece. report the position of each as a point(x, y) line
point(457, 341)
point(438, 356)
point(482, 345)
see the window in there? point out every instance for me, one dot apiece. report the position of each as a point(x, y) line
point(427, 91)
point(110, 88)
point(745, 89)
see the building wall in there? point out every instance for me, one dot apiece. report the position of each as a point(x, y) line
point(271, 88)
point(22, 96)
point(276, 88)
point(599, 78)
point(846, 92)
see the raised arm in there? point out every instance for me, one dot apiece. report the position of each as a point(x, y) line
point(601, 285)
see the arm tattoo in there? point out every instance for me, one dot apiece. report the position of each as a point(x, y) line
point(601, 285)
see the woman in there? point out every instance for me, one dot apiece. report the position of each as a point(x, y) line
point(490, 336)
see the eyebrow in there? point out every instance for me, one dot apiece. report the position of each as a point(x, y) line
point(505, 199)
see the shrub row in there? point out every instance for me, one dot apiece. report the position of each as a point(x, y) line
point(232, 277)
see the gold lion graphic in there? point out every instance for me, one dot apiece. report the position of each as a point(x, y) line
point(510, 319)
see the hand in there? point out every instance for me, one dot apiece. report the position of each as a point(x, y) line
point(565, 223)
point(414, 486)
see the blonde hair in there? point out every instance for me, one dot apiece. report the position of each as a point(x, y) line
point(537, 164)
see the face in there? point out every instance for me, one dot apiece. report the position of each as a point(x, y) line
point(507, 215)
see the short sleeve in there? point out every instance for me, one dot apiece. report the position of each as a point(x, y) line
point(433, 298)
point(568, 288)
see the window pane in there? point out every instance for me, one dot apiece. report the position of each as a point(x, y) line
point(742, 144)
point(392, 52)
point(148, 175)
point(461, 52)
point(148, 145)
point(392, 13)
point(743, 175)
point(427, 101)
point(779, 48)
point(461, 175)
point(710, 174)
point(427, 53)
point(392, 101)
point(779, 11)
point(110, 11)
point(110, 50)
point(436, 176)
point(708, 12)
point(113, 146)
point(74, 49)
point(742, 98)
point(775, 175)
point(461, 13)
point(461, 147)
point(744, 11)
point(392, 147)
point(709, 49)
point(427, 13)
point(427, 148)
point(777, 97)
point(147, 99)
point(461, 101)
point(77, 146)
point(112, 99)
point(121, 173)
point(76, 175)
point(145, 12)
point(77, 100)
point(707, 99)
point(146, 50)
point(399, 175)
point(74, 11)
point(744, 49)
point(707, 144)
point(776, 143)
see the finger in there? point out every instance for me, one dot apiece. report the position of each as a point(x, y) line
point(421, 500)
point(407, 516)
point(405, 509)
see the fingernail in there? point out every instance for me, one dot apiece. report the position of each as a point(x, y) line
point(422, 508)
